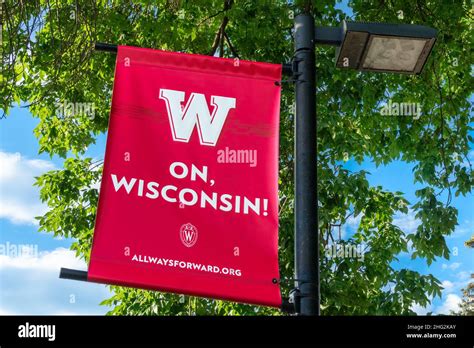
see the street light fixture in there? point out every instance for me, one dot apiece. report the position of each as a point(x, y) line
point(402, 48)
point(399, 48)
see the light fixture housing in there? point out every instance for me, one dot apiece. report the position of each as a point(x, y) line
point(402, 48)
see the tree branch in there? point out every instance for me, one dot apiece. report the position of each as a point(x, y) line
point(217, 38)
point(219, 35)
point(233, 50)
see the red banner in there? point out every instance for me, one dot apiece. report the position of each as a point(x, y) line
point(189, 195)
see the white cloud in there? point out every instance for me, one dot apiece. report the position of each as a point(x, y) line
point(452, 266)
point(408, 223)
point(419, 310)
point(447, 285)
point(462, 230)
point(30, 285)
point(451, 294)
point(45, 261)
point(449, 300)
point(19, 199)
point(354, 222)
point(351, 226)
point(450, 304)
point(463, 275)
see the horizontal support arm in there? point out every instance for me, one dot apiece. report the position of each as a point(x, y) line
point(100, 46)
point(73, 274)
point(328, 36)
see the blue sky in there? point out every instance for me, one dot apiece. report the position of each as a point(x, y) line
point(29, 282)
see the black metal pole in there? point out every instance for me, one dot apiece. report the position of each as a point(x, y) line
point(306, 200)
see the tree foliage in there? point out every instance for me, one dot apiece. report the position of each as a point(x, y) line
point(48, 58)
point(466, 307)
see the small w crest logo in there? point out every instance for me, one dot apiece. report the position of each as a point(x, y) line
point(188, 234)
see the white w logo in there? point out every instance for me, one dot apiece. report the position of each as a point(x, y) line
point(188, 236)
point(182, 122)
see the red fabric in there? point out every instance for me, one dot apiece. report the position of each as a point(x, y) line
point(139, 236)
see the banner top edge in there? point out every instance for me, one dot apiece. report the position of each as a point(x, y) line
point(210, 64)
